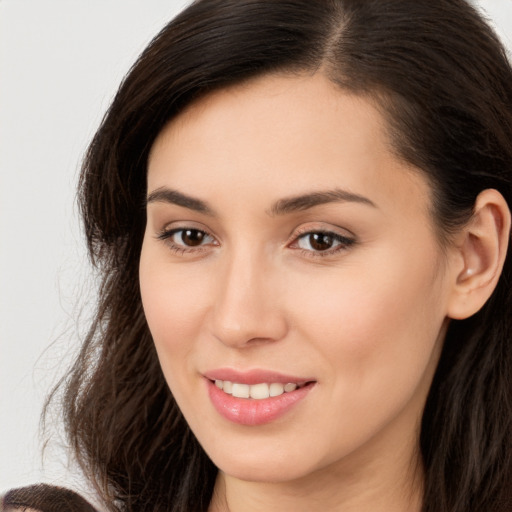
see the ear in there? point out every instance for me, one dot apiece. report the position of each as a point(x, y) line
point(480, 252)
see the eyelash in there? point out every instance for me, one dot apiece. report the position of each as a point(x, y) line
point(166, 236)
point(344, 242)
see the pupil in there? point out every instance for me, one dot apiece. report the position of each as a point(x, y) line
point(192, 237)
point(320, 241)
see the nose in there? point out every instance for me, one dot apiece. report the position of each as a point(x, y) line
point(249, 306)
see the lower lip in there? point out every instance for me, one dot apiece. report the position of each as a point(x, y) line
point(247, 411)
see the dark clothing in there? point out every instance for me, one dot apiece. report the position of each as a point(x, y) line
point(44, 498)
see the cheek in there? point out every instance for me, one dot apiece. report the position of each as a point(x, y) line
point(375, 338)
point(371, 321)
point(174, 307)
point(168, 307)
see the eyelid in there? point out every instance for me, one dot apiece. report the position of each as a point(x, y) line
point(179, 225)
point(345, 240)
point(315, 227)
point(169, 230)
point(168, 233)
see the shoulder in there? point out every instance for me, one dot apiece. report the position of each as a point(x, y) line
point(44, 498)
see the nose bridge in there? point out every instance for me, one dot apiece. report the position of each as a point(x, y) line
point(247, 308)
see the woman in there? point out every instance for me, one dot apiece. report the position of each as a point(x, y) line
point(300, 213)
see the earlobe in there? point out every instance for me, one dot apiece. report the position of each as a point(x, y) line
point(481, 252)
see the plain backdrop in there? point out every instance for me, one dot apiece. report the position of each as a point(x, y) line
point(60, 64)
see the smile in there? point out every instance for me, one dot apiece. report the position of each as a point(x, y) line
point(259, 391)
point(255, 397)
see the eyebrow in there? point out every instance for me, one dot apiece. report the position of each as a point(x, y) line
point(281, 207)
point(305, 201)
point(167, 195)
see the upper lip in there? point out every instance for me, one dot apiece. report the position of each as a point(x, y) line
point(254, 376)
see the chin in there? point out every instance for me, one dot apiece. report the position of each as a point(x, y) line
point(266, 474)
point(261, 467)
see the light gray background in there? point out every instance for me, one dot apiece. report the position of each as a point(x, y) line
point(60, 64)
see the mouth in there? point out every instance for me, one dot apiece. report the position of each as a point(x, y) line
point(255, 397)
point(259, 391)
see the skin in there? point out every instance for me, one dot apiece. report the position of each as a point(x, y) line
point(365, 320)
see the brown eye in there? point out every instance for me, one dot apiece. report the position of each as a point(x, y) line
point(186, 238)
point(323, 241)
point(191, 237)
point(320, 241)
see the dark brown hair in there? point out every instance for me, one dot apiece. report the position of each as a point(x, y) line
point(441, 77)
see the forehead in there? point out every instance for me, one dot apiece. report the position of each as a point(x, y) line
point(281, 135)
point(282, 103)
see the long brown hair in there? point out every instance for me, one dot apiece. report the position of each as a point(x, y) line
point(444, 83)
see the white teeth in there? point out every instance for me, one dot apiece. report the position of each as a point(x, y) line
point(260, 391)
point(255, 391)
point(240, 390)
point(276, 389)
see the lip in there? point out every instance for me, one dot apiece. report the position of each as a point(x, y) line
point(255, 376)
point(249, 412)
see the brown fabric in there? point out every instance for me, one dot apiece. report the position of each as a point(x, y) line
point(44, 498)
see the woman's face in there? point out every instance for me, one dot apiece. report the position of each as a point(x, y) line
point(290, 256)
